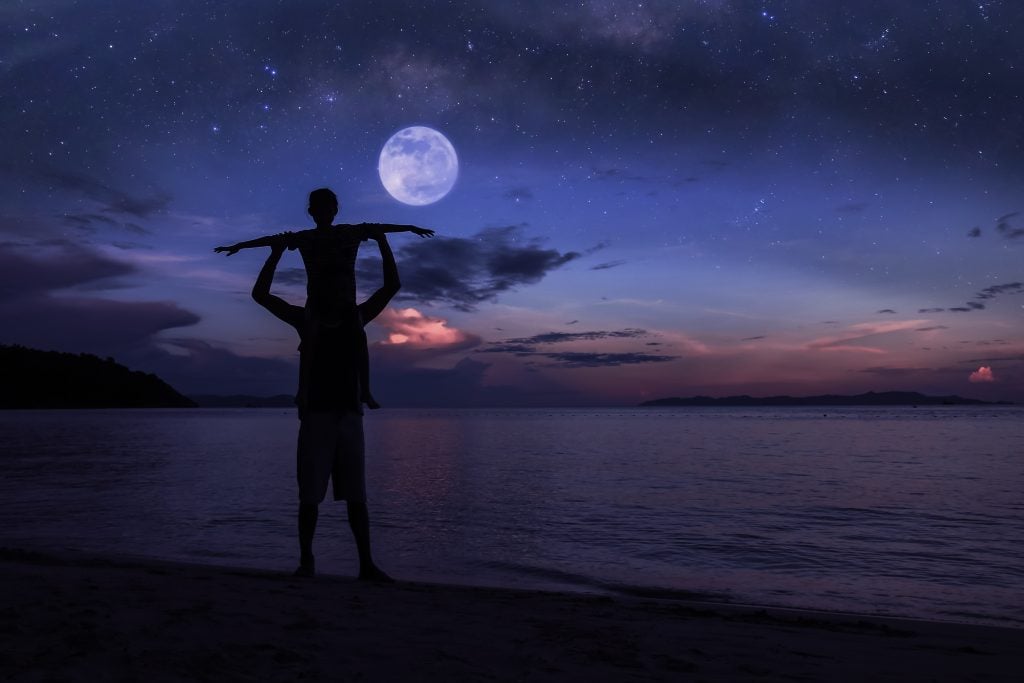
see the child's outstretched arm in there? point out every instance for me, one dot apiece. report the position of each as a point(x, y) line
point(265, 241)
point(371, 230)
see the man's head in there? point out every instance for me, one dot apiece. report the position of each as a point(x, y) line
point(323, 206)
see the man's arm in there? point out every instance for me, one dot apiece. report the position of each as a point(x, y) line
point(372, 307)
point(261, 290)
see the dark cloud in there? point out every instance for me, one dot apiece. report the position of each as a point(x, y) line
point(976, 306)
point(529, 346)
point(88, 221)
point(886, 310)
point(616, 174)
point(518, 194)
point(292, 276)
point(974, 232)
point(930, 310)
point(753, 338)
point(607, 265)
point(1005, 227)
point(960, 309)
point(198, 367)
point(995, 290)
point(31, 275)
point(933, 327)
point(80, 324)
point(465, 272)
point(895, 372)
point(27, 269)
point(517, 349)
point(561, 337)
point(583, 359)
point(110, 199)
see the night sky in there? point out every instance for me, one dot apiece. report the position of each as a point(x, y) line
point(661, 198)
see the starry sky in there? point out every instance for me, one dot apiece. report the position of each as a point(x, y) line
point(659, 198)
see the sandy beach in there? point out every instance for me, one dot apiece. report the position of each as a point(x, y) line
point(70, 618)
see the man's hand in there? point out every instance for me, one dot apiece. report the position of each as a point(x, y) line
point(233, 249)
point(422, 232)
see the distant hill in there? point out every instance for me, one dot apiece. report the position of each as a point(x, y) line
point(243, 401)
point(885, 398)
point(49, 379)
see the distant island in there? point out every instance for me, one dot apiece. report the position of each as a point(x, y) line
point(244, 401)
point(30, 378)
point(885, 398)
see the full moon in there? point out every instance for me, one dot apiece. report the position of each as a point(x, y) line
point(418, 166)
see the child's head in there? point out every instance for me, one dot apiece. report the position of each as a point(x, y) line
point(323, 206)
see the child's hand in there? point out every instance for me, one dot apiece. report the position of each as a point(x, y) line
point(233, 249)
point(422, 232)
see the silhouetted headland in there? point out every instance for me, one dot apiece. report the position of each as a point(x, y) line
point(51, 379)
point(871, 398)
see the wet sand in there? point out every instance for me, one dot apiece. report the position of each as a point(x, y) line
point(72, 618)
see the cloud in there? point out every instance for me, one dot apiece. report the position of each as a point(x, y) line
point(607, 265)
point(854, 337)
point(995, 290)
point(561, 337)
point(26, 269)
point(465, 272)
point(195, 366)
point(930, 310)
point(974, 232)
point(982, 374)
point(616, 174)
point(887, 310)
point(80, 324)
point(40, 309)
point(528, 347)
point(931, 328)
point(111, 199)
point(1006, 228)
point(290, 276)
point(746, 339)
point(408, 327)
point(584, 359)
point(894, 372)
point(518, 194)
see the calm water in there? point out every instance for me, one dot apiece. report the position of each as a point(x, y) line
point(906, 511)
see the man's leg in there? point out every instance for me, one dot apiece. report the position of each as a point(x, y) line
point(359, 520)
point(308, 514)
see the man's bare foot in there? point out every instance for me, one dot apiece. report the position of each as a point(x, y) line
point(374, 574)
point(307, 567)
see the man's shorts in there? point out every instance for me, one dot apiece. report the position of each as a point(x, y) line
point(331, 447)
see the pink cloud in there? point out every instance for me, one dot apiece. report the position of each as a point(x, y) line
point(410, 328)
point(982, 374)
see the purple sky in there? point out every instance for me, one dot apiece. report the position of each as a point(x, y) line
point(655, 199)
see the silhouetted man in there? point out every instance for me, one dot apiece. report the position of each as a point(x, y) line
point(329, 400)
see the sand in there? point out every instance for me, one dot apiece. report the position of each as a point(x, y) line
point(66, 618)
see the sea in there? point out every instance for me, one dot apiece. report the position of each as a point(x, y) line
point(898, 511)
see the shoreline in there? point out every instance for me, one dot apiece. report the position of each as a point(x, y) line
point(93, 617)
